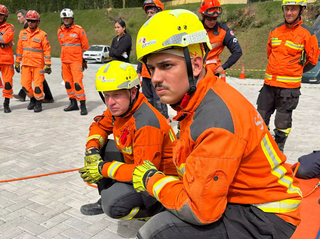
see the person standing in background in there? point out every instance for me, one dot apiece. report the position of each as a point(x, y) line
point(220, 36)
point(74, 42)
point(292, 49)
point(34, 51)
point(151, 8)
point(121, 44)
point(6, 59)
point(21, 16)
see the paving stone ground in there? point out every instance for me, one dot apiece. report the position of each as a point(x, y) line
point(54, 140)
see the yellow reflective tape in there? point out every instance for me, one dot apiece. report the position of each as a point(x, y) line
point(98, 137)
point(276, 168)
point(286, 131)
point(127, 150)
point(133, 212)
point(171, 135)
point(181, 169)
point(288, 78)
point(294, 46)
point(283, 206)
point(113, 169)
point(160, 184)
point(268, 76)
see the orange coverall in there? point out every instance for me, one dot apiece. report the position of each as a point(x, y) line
point(74, 42)
point(34, 50)
point(142, 134)
point(6, 58)
point(285, 46)
point(225, 156)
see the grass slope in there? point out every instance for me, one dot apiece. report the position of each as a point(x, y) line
point(251, 24)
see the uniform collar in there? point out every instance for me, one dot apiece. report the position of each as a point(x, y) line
point(32, 32)
point(64, 27)
point(197, 96)
point(4, 24)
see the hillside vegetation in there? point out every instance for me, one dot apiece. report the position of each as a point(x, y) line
point(251, 24)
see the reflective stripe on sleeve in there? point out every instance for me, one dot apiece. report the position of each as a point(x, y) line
point(276, 168)
point(283, 206)
point(171, 135)
point(113, 169)
point(181, 170)
point(98, 137)
point(160, 184)
point(275, 42)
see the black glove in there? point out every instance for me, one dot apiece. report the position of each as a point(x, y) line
point(17, 66)
point(303, 58)
point(47, 69)
point(84, 64)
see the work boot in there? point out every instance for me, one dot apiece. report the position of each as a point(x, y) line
point(38, 106)
point(73, 105)
point(6, 107)
point(83, 107)
point(19, 97)
point(32, 103)
point(92, 208)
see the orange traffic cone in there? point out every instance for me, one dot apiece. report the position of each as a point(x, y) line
point(242, 75)
point(223, 76)
point(1, 85)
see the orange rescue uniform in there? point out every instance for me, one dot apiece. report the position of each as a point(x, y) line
point(225, 156)
point(285, 46)
point(74, 42)
point(34, 50)
point(220, 36)
point(6, 58)
point(142, 134)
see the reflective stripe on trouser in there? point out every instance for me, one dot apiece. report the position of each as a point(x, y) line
point(72, 73)
point(121, 201)
point(35, 75)
point(7, 73)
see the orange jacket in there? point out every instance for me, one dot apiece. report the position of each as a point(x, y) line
point(33, 48)
point(142, 134)
point(74, 42)
point(6, 36)
point(221, 36)
point(225, 154)
point(145, 72)
point(285, 46)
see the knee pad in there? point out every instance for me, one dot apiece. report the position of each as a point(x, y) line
point(283, 120)
point(37, 90)
point(24, 89)
point(68, 86)
point(77, 86)
point(7, 86)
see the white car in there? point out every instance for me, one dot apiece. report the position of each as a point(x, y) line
point(97, 53)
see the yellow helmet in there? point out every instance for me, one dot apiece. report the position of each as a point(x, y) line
point(302, 3)
point(170, 29)
point(116, 75)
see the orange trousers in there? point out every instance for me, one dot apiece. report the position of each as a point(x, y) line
point(72, 76)
point(35, 75)
point(7, 73)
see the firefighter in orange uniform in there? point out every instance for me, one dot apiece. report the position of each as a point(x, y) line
point(140, 133)
point(220, 36)
point(151, 7)
point(6, 57)
point(292, 50)
point(34, 50)
point(234, 182)
point(74, 42)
